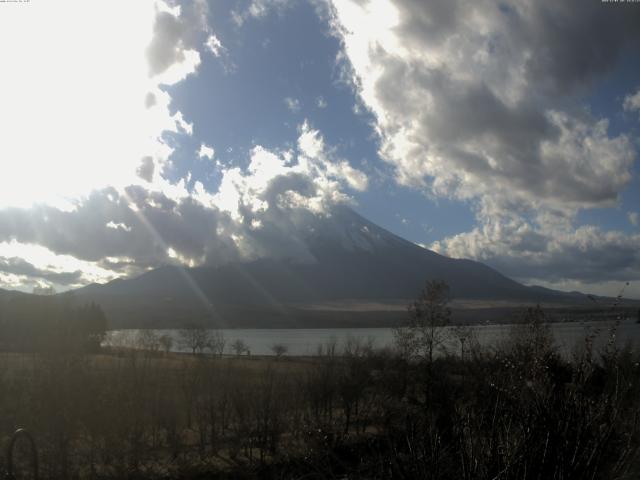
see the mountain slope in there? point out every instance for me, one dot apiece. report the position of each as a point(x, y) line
point(354, 260)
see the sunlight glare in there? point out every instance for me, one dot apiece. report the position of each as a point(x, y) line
point(74, 84)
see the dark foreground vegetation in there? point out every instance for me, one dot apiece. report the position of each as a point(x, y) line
point(41, 323)
point(519, 410)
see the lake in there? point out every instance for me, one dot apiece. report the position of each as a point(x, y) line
point(306, 341)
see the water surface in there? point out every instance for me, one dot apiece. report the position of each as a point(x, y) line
point(307, 341)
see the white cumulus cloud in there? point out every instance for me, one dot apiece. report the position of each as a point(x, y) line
point(214, 45)
point(206, 152)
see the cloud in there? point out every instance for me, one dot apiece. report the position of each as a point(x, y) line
point(634, 218)
point(146, 169)
point(281, 195)
point(214, 45)
point(632, 102)
point(20, 267)
point(258, 9)
point(258, 211)
point(321, 102)
point(467, 99)
point(484, 103)
point(30, 264)
point(138, 224)
point(93, 199)
point(293, 104)
point(150, 100)
point(312, 177)
point(123, 226)
point(108, 106)
point(585, 255)
point(206, 152)
point(172, 53)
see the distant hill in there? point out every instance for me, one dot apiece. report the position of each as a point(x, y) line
point(6, 294)
point(354, 262)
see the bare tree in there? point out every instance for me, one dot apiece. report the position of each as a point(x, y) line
point(279, 349)
point(121, 340)
point(531, 339)
point(239, 347)
point(428, 314)
point(358, 346)
point(329, 348)
point(467, 338)
point(148, 340)
point(195, 338)
point(217, 342)
point(166, 342)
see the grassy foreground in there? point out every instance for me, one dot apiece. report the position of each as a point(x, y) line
point(518, 411)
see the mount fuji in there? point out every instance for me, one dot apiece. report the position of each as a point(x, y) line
point(356, 274)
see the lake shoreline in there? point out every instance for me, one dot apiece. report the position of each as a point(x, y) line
point(301, 342)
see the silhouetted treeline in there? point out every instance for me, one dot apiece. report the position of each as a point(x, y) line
point(47, 323)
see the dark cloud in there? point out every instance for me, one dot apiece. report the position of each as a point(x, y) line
point(150, 100)
point(146, 168)
point(431, 21)
point(173, 35)
point(19, 266)
point(276, 231)
point(167, 46)
point(139, 229)
point(140, 225)
point(587, 254)
point(574, 41)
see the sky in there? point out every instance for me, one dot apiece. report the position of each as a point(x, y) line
point(139, 134)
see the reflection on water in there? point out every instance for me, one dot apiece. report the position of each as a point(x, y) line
point(307, 341)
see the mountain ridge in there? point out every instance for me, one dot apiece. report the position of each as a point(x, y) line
point(351, 259)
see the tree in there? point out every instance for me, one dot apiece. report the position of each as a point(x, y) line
point(239, 347)
point(217, 342)
point(91, 325)
point(465, 336)
point(148, 340)
point(166, 342)
point(532, 338)
point(195, 338)
point(428, 314)
point(279, 349)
